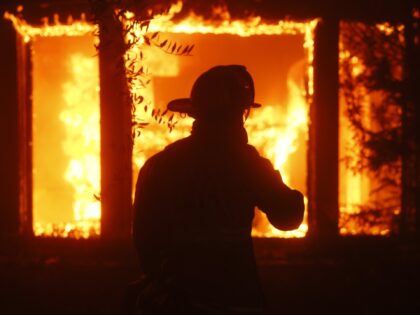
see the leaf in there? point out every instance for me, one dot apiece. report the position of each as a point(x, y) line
point(191, 48)
point(140, 99)
point(162, 44)
point(147, 40)
point(145, 24)
point(185, 49)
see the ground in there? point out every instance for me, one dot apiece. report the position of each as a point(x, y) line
point(344, 277)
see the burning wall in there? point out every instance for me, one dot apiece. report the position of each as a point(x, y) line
point(65, 128)
point(279, 54)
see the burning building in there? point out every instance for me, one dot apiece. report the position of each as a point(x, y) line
point(77, 158)
point(83, 96)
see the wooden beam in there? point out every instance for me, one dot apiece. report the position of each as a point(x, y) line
point(407, 156)
point(409, 221)
point(323, 144)
point(34, 11)
point(24, 92)
point(9, 183)
point(116, 142)
point(361, 10)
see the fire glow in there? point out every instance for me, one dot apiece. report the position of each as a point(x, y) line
point(275, 141)
point(81, 147)
point(82, 121)
point(361, 193)
point(72, 28)
point(76, 115)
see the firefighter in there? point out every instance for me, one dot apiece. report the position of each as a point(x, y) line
point(194, 206)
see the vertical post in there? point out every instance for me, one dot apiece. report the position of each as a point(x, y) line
point(116, 144)
point(323, 144)
point(410, 158)
point(408, 144)
point(416, 98)
point(9, 183)
point(24, 73)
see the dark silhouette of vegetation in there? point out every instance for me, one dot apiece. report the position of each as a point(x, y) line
point(141, 14)
point(375, 84)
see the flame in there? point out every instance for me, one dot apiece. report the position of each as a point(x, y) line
point(82, 144)
point(355, 187)
point(81, 122)
point(82, 148)
point(389, 29)
point(275, 141)
point(72, 28)
point(195, 24)
point(353, 183)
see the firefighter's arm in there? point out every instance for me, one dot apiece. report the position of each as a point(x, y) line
point(284, 206)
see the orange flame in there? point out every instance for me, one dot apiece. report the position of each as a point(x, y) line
point(355, 187)
point(274, 141)
point(72, 28)
point(82, 145)
point(81, 120)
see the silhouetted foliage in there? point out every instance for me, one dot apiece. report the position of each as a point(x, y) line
point(134, 18)
point(373, 95)
point(374, 85)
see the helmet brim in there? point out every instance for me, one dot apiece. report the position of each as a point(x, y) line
point(181, 105)
point(185, 106)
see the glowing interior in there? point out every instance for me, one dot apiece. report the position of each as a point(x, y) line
point(66, 172)
point(66, 146)
point(279, 56)
point(65, 127)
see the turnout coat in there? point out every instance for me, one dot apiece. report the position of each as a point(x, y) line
point(193, 212)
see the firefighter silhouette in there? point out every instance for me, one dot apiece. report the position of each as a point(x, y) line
point(195, 202)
